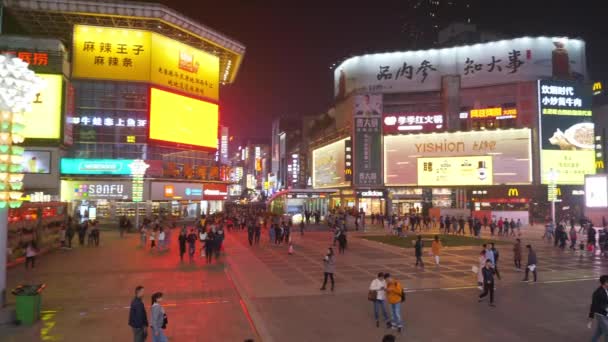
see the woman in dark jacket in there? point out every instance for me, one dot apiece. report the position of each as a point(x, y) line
point(182, 244)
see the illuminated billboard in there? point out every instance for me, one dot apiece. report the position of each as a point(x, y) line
point(136, 55)
point(182, 120)
point(328, 166)
point(566, 131)
point(36, 161)
point(491, 63)
point(510, 152)
point(44, 121)
point(454, 171)
point(76, 166)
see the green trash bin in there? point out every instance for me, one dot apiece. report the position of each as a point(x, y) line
point(28, 303)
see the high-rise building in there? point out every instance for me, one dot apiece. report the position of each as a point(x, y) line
point(424, 19)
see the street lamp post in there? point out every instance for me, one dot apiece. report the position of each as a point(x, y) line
point(18, 88)
point(552, 192)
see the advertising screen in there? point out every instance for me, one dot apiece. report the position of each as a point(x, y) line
point(44, 121)
point(499, 62)
point(454, 171)
point(510, 152)
point(183, 120)
point(596, 191)
point(36, 161)
point(566, 131)
point(136, 55)
point(168, 191)
point(70, 166)
point(328, 166)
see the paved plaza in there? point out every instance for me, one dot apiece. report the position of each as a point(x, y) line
point(265, 294)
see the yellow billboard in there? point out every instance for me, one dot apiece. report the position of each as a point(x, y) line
point(571, 166)
point(454, 171)
point(111, 53)
point(136, 55)
point(183, 68)
point(44, 121)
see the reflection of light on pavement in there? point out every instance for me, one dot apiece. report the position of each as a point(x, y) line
point(48, 323)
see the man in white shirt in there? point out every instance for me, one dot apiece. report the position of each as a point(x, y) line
point(379, 286)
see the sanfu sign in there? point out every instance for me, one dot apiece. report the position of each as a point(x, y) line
point(505, 61)
point(92, 190)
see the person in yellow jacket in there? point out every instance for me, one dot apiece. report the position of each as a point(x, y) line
point(395, 296)
point(436, 247)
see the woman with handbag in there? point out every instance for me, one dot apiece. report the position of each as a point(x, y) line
point(329, 267)
point(159, 318)
point(377, 295)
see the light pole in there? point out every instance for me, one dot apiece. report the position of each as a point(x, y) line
point(552, 176)
point(18, 88)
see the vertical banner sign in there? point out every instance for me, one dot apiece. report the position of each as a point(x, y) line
point(348, 160)
point(138, 170)
point(566, 131)
point(368, 139)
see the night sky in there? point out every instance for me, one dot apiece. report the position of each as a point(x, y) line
point(290, 49)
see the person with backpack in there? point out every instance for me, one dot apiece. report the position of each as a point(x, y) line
point(159, 318)
point(395, 296)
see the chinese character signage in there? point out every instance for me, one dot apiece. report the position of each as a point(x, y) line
point(497, 113)
point(107, 121)
point(510, 151)
point(505, 61)
point(328, 166)
point(368, 140)
point(348, 160)
point(398, 123)
point(566, 131)
point(455, 171)
point(40, 61)
point(136, 55)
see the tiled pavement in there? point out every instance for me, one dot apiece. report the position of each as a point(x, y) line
point(89, 289)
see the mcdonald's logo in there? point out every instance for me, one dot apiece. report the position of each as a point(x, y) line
point(513, 192)
point(599, 164)
point(348, 172)
point(597, 86)
point(558, 191)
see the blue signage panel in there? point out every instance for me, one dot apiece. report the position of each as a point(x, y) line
point(70, 166)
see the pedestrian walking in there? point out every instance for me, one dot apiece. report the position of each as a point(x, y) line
point(62, 234)
point(191, 239)
point(30, 254)
point(329, 268)
point(488, 282)
point(418, 251)
point(496, 255)
point(517, 254)
point(532, 263)
point(182, 239)
point(395, 296)
point(342, 243)
point(257, 234)
point(161, 239)
point(436, 249)
point(69, 234)
point(573, 238)
point(138, 320)
point(481, 264)
point(143, 235)
point(377, 294)
point(210, 246)
point(250, 232)
point(598, 310)
point(153, 239)
point(159, 318)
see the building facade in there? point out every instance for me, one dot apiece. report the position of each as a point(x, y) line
point(470, 128)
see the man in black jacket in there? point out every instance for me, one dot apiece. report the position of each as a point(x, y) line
point(138, 320)
point(488, 282)
point(598, 310)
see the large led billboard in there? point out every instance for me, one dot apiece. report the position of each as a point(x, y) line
point(137, 55)
point(44, 121)
point(328, 166)
point(566, 131)
point(77, 166)
point(182, 120)
point(496, 157)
